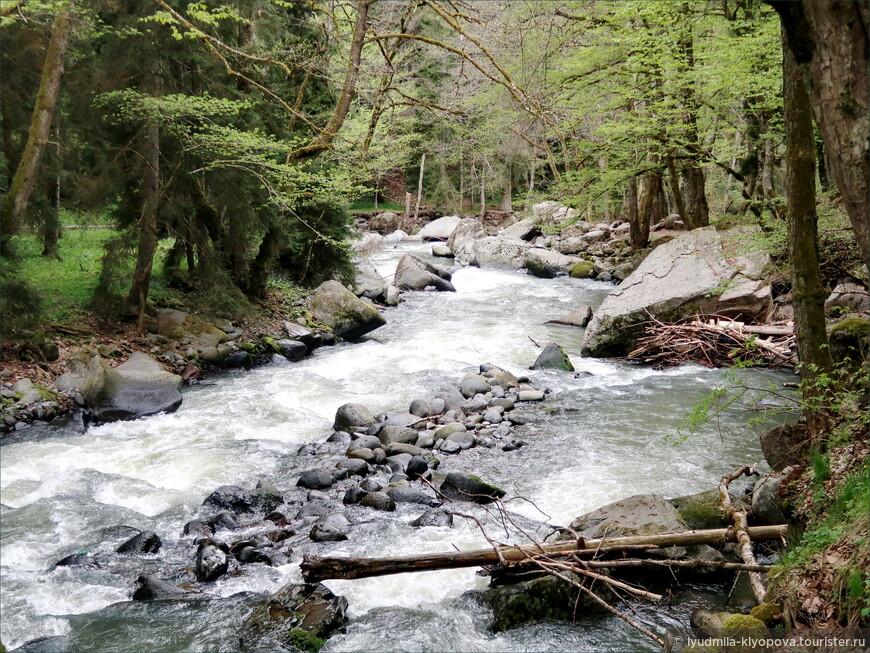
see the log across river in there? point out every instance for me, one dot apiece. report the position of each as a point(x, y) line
point(597, 438)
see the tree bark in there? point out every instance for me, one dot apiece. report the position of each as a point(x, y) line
point(506, 204)
point(262, 263)
point(829, 42)
point(15, 202)
point(315, 569)
point(419, 187)
point(677, 192)
point(649, 208)
point(808, 293)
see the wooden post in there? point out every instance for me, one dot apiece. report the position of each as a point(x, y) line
point(407, 218)
point(419, 188)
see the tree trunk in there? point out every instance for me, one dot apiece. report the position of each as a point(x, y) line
point(482, 190)
point(419, 187)
point(506, 204)
point(147, 227)
point(696, 197)
point(348, 90)
point(406, 219)
point(51, 224)
point(677, 192)
point(829, 42)
point(808, 293)
point(316, 569)
point(15, 202)
point(602, 166)
point(262, 263)
point(631, 203)
point(650, 207)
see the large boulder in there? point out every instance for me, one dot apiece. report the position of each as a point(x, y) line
point(384, 223)
point(177, 325)
point(136, 388)
point(369, 283)
point(784, 445)
point(339, 309)
point(413, 273)
point(500, 251)
point(847, 297)
point(578, 318)
point(463, 238)
point(546, 263)
point(296, 618)
point(642, 514)
point(527, 230)
point(441, 228)
point(350, 417)
point(695, 273)
point(539, 599)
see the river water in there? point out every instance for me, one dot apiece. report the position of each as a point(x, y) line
point(595, 439)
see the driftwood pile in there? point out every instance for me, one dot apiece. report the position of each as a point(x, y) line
point(715, 341)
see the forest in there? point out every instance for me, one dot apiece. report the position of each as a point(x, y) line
point(192, 187)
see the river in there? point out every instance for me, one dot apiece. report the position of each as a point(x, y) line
point(596, 438)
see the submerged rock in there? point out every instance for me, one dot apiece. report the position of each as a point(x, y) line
point(464, 487)
point(297, 617)
point(145, 542)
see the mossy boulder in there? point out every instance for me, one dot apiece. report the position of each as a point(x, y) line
point(784, 445)
point(538, 599)
point(716, 624)
point(702, 510)
point(298, 617)
point(553, 358)
point(766, 612)
point(337, 308)
point(582, 270)
point(177, 325)
point(465, 487)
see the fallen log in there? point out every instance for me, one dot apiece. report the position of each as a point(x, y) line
point(316, 568)
point(741, 529)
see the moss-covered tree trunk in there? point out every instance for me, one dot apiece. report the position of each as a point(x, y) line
point(808, 293)
point(147, 225)
point(15, 202)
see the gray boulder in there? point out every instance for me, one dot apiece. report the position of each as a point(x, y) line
point(848, 297)
point(295, 618)
point(404, 494)
point(547, 264)
point(369, 283)
point(579, 318)
point(349, 417)
point(464, 487)
point(441, 250)
point(438, 517)
point(553, 358)
point(526, 230)
point(441, 228)
point(784, 445)
point(384, 223)
point(339, 309)
point(333, 527)
point(413, 273)
point(136, 388)
point(212, 560)
point(694, 273)
point(767, 500)
point(472, 385)
point(397, 434)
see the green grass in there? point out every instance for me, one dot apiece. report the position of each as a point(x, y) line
point(65, 284)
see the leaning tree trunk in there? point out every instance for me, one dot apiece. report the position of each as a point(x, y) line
point(15, 202)
point(808, 293)
point(51, 222)
point(147, 226)
point(829, 42)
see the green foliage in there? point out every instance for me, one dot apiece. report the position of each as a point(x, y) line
point(821, 467)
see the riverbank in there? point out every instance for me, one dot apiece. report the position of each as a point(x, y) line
point(585, 421)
